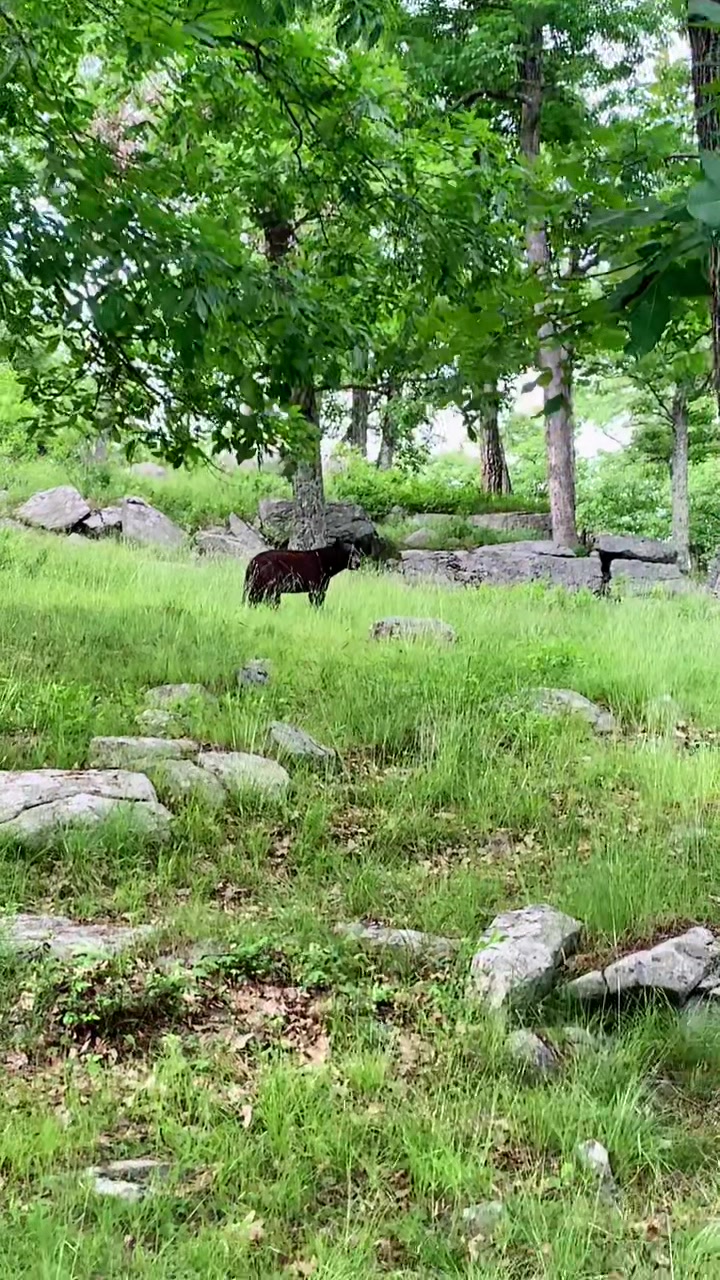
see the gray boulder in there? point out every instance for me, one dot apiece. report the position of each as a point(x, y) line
point(118, 753)
point(483, 1219)
point(61, 937)
point(180, 780)
point(519, 955)
point(345, 521)
point(35, 802)
point(58, 510)
point(257, 671)
point(101, 524)
point(532, 1054)
point(639, 577)
point(156, 723)
point(240, 771)
point(559, 702)
point(143, 524)
point(506, 521)
point(150, 470)
point(506, 565)
point(626, 547)
point(128, 1180)
point(295, 742)
point(174, 695)
point(410, 941)
point(594, 1159)
point(676, 968)
point(412, 629)
point(240, 541)
point(420, 539)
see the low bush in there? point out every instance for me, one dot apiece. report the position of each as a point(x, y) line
point(445, 484)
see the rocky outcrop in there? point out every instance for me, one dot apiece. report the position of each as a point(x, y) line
point(58, 510)
point(103, 523)
point(675, 968)
point(345, 522)
point(498, 521)
point(238, 540)
point(240, 771)
point(518, 956)
point(136, 753)
point(144, 524)
point(506, 564)
point(35, 802)
point(58, 936)
point(627, 547)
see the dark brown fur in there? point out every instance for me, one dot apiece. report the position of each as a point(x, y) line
point(273, 574)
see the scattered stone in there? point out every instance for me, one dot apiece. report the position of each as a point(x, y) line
point(173, 695)
point(411, 941)
point(507, 521)
point(129, 1180)
point(242, 541)
point(558, 702)
point(151, 470)
point(249, 537)
point(519, 954)
point(63, 938)
point(35, 802)
point(240, 771)
point(118, 753)
point(413, 629)
point(156, 722)
point(144, 524)
point(532, 1053)
point(594, 1157)
point(345, 521)
point(482, 1219)
point(181, 780)
point(580, 1040)
point(675, 967)
point(58, 510)
point(257, 671)
point(627, 547)
point(99, 524)
point(295, 742)
point(420, 539)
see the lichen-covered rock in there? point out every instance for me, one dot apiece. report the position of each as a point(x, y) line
point(559, 702)
point(61, 937)
point(257, 671)
point(240, 771)
point(411, 941)
point(675, 967)
point(144, 524)
point(180, 780)
point(35, 802)
point(412, 629)
point(533, 1054)
point(628, 547)
point(173, 695)
point(58, 510)
point(101, 524)
point(119, 753)
point(296, 743)
point(519, 954)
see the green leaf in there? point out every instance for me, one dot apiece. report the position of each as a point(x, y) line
point(703, 203)
point(704, 10)
point(554, 404)
point(710, 161)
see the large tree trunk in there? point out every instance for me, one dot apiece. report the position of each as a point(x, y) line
point(310, 526)
point(494, 474)
point(358, 430)
point(679, 480)
point(552, 355)
point(705, 62)
point(388, 437)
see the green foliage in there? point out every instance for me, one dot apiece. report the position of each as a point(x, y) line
point(443, 485)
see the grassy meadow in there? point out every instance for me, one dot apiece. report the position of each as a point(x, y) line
point(327, 1112)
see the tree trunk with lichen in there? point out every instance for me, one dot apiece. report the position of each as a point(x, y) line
point(553, 357)
point(494, 474)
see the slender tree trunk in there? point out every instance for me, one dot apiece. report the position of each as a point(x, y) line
point(310, 525)
point(494, 474)
point(358, 430)
point(388, 437)
point(552, 355)
point(705, 63)
point(679, 480)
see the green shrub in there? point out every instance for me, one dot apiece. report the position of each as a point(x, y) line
point(449, 485)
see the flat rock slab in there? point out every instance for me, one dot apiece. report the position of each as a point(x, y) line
point(172, 695)
point(295, 742)
point(675, 968)
point(142, 523)
point(63, 938)
point(241, 771)
point(413, 629)
point(558, 702)
point(34, 802)
point(58, 509)
point(129, 1180)
point(117, 753)
point(504, 565)
point(180, 780)
point(156, 722)
point(411, 941)
point(532, 1054)
point(100, 524)
point(519, 954)
point(626, 547)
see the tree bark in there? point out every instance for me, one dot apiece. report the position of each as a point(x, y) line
point(494, 474)
point(310, 525)
point(358, 431)
point(388, 438)
point(705, 64)
point(679, 479)
point(552, 355)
